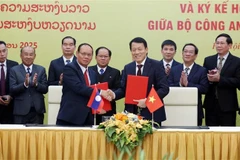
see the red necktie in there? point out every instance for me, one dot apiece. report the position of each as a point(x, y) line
point(2, 81)
point(86, 77)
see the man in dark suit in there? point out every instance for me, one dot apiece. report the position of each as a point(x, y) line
point(105, 73)
point(190, 74)
point(55, 71)
point(76, 90)
point(28, 83)
point(6, 110)
point(221, 101)
point(168, 50)
point(156, 78)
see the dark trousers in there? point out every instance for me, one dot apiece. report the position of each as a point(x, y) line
point(6, 114)
point(216, 117)
point(88, 121)
point(199, 121)
point(65, 123)
point(31, 118)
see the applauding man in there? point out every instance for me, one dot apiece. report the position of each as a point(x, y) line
point(28, 83)
point(190, 74)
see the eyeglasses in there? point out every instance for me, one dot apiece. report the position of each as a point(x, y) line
point(86, 54)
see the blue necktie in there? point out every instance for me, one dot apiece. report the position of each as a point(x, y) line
point(68, 61)
point(28, 71)
point(101, 71)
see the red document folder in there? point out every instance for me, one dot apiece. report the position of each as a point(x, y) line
point(136, 88)
point(104, 86)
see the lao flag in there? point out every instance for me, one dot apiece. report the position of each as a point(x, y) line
point(95, 102)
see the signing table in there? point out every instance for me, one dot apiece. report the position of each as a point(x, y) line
point(20, 142)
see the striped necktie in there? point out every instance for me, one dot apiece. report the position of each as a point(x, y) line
point(187, 71)
point(220, 64)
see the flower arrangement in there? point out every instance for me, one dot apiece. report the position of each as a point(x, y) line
point(126, 130)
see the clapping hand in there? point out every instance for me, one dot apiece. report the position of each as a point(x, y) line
point(35, 80)
point(213, 75)
point(27, 80)
point(183, 79)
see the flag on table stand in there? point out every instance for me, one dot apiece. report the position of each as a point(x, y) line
point(95, 102)
point(153, 101)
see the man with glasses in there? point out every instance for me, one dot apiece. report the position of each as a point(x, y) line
point(105, 73)
point(221, 101)
point(190, 74)
point(55, 73)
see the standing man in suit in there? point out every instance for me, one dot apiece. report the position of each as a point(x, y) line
point(168, 51)
point(28, 83)
point(55, 75)
point(156, 77)
point(76, 90)
point(190, 74)
point(221, 101)
point(6, 110)
point(105, 73)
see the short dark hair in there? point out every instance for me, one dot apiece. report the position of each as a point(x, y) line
point(109, 51)
point(191, 44)
point(138, 40)
point(69, 37)
point(84, 44)
point(2, 42)
point(169, 42)
point(229, 39)
point(21, 50)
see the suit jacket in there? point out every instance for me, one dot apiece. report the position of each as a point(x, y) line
point(156, 77)
point(227, 86)
point(55, 70)
point(25, 98)
point(175, 63)
point(6, 111)
point(75, 94)
point(197, 78)
point(112, 76)
point(10, 64)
